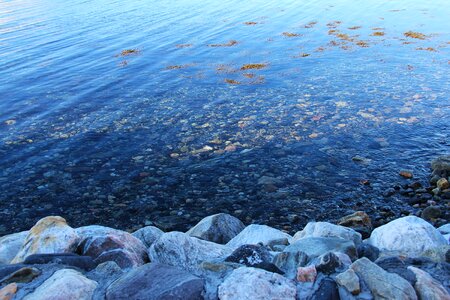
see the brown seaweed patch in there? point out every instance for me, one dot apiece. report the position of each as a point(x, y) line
point(334, 24)
point(415, 35)
point(183, 45)
point(354, 27)
point(310, 24)
point(128, 52)
point(250, 23)
point(175, 67)
point(232, 81)
point(427, 49)
point(291, 34)
point(344, 37)
point(229, 44)
point(225, 69)
point(253, 66)
point(248, 75)
point(362, 44)
point(332, 31)
point(302, 55)
point(378, 33)
point(377, 28)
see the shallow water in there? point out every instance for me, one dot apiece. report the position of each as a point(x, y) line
point(180, 128)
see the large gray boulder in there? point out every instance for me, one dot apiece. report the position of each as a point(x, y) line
point(219, 228)
point(10, 245)
point(148, 235)
point(64, 284)
point(256, 284)
point(410, 235)
point(316, 246)
point(383, 285)
point(427, 287)
point(49, 235)
point(183, 251)
point(325, 229)
point(156, 281)
point(254, 234)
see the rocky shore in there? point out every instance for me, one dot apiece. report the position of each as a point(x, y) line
point(221, 258)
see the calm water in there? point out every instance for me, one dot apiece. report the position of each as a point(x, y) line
point(180, 128)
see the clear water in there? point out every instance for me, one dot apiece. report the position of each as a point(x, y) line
point(178, 130)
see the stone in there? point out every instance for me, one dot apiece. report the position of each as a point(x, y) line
point(214, 273)
point(358, 221)
point(437, 254)
point(325, 229)
point(406, 174)
point(8, 291)
point(288, 262)
point(369, 251)
point(256, 256)
point(383, 285)
point(256, 284)
point(69, 259)
point(431, 212)
point(444, 229)
point(427, 287)
point(148, 235)
point(10, 245)
point(156, 281)
point(105, 274)
point(49, 235)
point(316, 246)
point(23, 275)
point(219, 228)
point(441, 164)
point(108, 244)
point(306, 274)
point(410, 235)
point(327, 289)
point(350, 281)
point(328, 263)
point(183, 251)
point(443, 184)
point(64, 284)
point(255, 234)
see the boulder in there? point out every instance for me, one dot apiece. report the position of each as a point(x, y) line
point(383, 285)
point(10, 245)
point(69, 259)
point(410, 235)
point(359, 221)
point(328, 263)
point(219, 228)
point(325, 229)
point(306, 274)
point(256, 256)
point(254, 284)
point(108, 244)
point(156, 281)
point(8, 291)
point(64, 284)
point(23, 275)
point(214, 273)
point(438, 254)
point(316, 246)
point(254, 234)
point(148, 235)
point(444, 229)
point(350, 281)
point(183, 251)
point(441, 165)
point(427, 287)
point(49, 235)
point(369, 251)
point(288, 262)
point(326, 289)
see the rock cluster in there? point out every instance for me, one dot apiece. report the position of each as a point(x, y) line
point(220, 258)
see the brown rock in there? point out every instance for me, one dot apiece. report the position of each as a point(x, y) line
point(8, 291)
point(406, 174)
point(443, 184)
point(307, 274)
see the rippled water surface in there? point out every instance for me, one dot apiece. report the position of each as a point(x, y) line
point(125, 113)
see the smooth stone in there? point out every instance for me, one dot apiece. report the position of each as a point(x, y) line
point(69, 259)
point(350, 281)
point(325, 229)
point(288, 262)
point(256, 256)
point(431, 212)
point(148, 235)
point(256, 284)
point(49, 235)
point(183, 251)
point(328, 263)
point(23, 275)
point(358, 221)
point(6, 270)
point(306, 274)
point(156, 281)
point(383, 285)
point(10, 245)
point(8, 291)
point(64, 284)
point(411, 235)
point(327, 289)
point(105, 274)
point(316, 246)
point(427, 287)
point(255, 234)
point(369, 251)
point(219, 228)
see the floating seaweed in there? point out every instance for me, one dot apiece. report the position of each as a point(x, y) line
point(183, 45)
point(291, 34)
point(378, 33)
point(175, 67)
point(310, 24)
point(248, 75)
point(334, 24)
point(427, 49)
point(250, 23)
point(362, 44)
point(354, 27)
point(302, 55)
point(253, 66)
point(232, 81)
point(415, 35)
point(229, 44)
point(128, 52)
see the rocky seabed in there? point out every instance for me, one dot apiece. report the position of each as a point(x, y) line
point(221, 258)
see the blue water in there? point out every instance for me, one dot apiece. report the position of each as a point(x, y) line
point(178, 130)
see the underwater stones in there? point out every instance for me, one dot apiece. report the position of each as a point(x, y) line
point(218, 228)
point(64, 284)
point(431, 212)
point(254, 234)
point(49, 235)
point(156, 281)
point(441, 165)
point(10, 245)
point(183, 251)
point(411, 235)
point(325, 229)
point(148, 235)
point(256, 284)
point(427, 287)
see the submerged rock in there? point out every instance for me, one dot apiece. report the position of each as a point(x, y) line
point(219, 228)
point(10, 245)
point(358, 221)
point(255, 234)
point(325, 229)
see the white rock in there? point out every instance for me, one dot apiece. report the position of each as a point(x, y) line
point(49, 235)
point(256, 284)
point(325, 229)
point(254, 234)
point(444, 229)
point(219, 228)
point(10, 245)
point(409, 235)
point(183, 251)
point(148, 235)
point(64, 284)
point(427, 287)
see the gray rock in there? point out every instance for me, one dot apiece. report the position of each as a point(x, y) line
point(288, 262)
point(441, 164)
point(64, 284)
point(256, 256)
point(410, 235)
point(256, 284)
point(219, 228)
point(49, 235)
point(383, 285)
point(254, 234)
point(105, 274)
point(350, 281)
point(325, 229)
point(69, 259)
point(183, 251)
point(328, 263)
point(156, 281)
point(326, 289)
point(369, 251)
point(148, 235)
point(10, 245)
point(214, 273)
point(316, 246)
point(427, 287)
point(444, 229)
point(438, 254)
point(23, 275)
